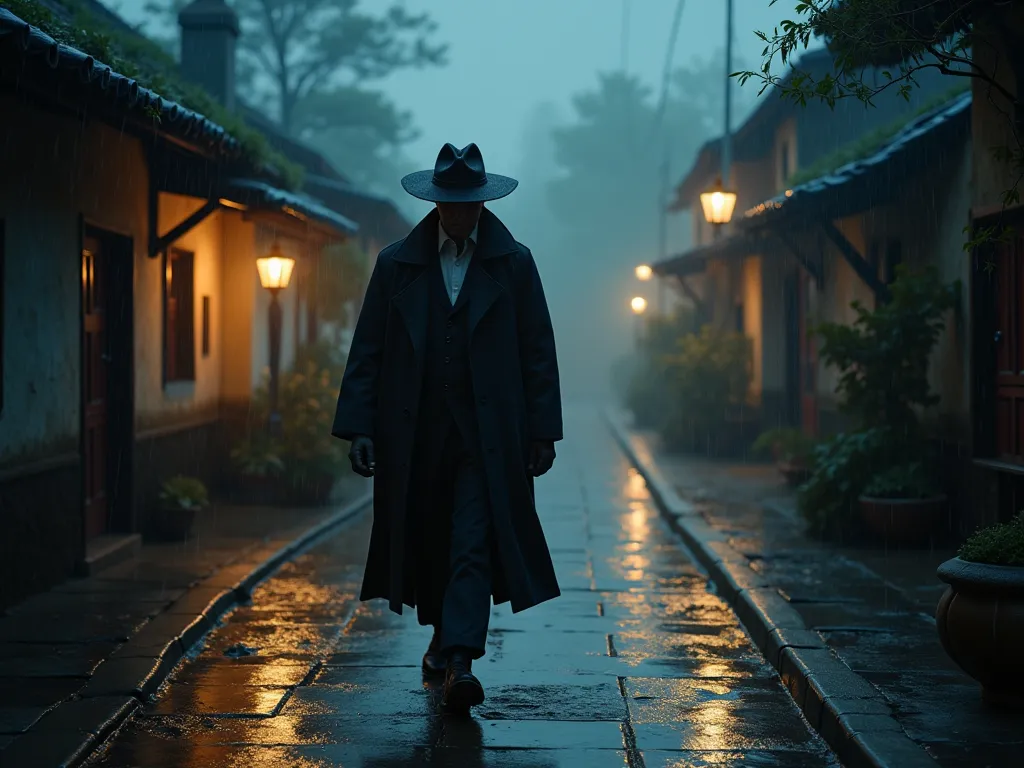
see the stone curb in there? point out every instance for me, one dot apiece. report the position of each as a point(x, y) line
point(70, 732)
point(851, 715)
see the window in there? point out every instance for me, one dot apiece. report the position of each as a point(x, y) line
point(206, 326)
point(179, 316)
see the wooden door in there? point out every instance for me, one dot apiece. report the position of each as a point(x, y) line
point(1009, 349)
point(808, 356)
point(95, 357)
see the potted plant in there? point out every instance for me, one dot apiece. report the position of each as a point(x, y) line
point(901, 505)
point(980, 618)
point(882, 359)
point(792, 450)
point(181, 498)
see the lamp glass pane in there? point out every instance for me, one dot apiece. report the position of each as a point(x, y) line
point(718, 206)
point(275, 271)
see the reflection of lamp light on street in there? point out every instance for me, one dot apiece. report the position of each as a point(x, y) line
point(275, 273)
point(644, 272)
point(718, 204)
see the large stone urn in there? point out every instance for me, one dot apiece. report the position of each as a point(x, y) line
point(980, 620)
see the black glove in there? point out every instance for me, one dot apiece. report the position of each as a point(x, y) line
point(542, 456)
point(361, 456)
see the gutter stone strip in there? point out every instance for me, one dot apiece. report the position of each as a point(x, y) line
point(851, 715)
point(70, 732)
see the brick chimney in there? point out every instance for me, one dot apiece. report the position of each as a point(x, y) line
point(209, 31)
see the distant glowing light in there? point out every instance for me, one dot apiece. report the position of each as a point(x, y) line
point(638, 305)
point(644, 272)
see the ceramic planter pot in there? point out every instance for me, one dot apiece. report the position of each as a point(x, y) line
point(980, 620)
point(175, 523)
point(912, 522)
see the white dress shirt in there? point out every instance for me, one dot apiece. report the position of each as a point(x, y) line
point(454, 265)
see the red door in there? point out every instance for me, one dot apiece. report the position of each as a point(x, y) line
point(94, 388)
point(808, 357)
point(1009, 338)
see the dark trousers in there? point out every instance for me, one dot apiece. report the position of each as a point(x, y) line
point(459, 602)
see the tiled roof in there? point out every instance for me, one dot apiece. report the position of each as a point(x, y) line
point(38, 49)
point(260, 194)
point(846, 186)
point(948, 115)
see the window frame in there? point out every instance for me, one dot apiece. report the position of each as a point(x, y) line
point(176, 370)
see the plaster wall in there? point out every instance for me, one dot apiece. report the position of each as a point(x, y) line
point(64, 172)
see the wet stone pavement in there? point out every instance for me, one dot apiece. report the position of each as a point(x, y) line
point(874, 607)
point(637, 664)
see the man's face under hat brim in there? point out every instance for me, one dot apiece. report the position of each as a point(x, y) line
point(421, 184)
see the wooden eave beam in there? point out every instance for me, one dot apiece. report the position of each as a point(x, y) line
point(811, 265)
point(160, 243)
point(691, 294)
point(854, 258)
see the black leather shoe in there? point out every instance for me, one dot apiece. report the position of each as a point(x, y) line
point(434, 662)
point(461, 688)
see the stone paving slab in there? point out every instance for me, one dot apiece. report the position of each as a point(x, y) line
point(766, 614)
point(77, 661)
point(851, 631)
point(637, 663)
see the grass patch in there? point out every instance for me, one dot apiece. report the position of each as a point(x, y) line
point(151, 67)
point(871, 142)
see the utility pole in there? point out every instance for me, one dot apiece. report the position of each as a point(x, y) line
point(624, 39)
point(727, 135)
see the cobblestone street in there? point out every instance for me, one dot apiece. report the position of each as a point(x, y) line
point(637, 664)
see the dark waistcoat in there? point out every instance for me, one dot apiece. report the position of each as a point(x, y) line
point(447, 394)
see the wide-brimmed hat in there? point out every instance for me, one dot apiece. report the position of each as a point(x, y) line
point(458, 177)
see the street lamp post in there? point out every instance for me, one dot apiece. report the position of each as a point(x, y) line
point(719, 202)
point(275, 272)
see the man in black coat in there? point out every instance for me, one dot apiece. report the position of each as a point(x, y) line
point(451, 402)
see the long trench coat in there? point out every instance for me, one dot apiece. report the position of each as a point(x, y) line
point(516, 391)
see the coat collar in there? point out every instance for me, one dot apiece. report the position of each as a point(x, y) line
point(420, 245)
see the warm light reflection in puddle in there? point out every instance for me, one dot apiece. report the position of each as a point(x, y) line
point(635, 487)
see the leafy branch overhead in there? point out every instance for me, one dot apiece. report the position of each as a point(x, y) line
point(904, 38)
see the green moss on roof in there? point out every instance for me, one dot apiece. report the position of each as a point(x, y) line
point(870, 142)
point(151, 67)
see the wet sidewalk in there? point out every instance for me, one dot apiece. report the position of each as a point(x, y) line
point(76, 660)
point(637, 664)
point(873, 608)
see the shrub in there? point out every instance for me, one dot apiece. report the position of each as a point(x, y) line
point(785, 444)
point(1001, 544)
point(307, 395)
point(842, 468)
point(708, 378)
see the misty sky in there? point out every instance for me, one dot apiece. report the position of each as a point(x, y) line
point(508, 56)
